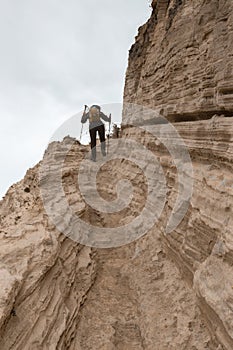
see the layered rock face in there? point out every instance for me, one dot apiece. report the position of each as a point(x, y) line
point(44, 276)
point(163, 291)
point(58, 294)
point(181, 62)
point(181, 66)
point(201, 246)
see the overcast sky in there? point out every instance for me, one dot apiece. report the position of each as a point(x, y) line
point(56, 56)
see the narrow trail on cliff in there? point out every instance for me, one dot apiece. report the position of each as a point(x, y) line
point(139, 299)
point(79, 298)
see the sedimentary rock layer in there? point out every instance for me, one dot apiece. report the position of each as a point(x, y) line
point(202, 245)
point(45, 277)
point(57, 294)
point(181, 66)
point(181, 62)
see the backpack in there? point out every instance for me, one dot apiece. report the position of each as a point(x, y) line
point(94, 114)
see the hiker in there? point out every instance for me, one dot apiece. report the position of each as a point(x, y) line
point(95, 124)
point(116, 131)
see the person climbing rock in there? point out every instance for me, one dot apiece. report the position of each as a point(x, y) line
point(96, 125)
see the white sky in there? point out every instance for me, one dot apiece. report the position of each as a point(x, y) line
point(55, 57)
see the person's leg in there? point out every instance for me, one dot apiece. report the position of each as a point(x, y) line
point(101, 131)
point(93, 143)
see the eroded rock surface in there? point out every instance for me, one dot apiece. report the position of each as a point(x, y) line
point(163, 292)
point(60, 295)
point(181, 62)
point(201, 246)
point(181, 66)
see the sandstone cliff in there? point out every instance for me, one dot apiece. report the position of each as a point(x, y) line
point(161, 292)
point(181, 66)
point(57, 294)
point(181, 62)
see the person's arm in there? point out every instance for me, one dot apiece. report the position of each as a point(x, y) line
point(85, 117)
point(105, 117)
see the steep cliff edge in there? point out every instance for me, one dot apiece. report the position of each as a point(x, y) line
point(44, 276)
point(57, 294)
point(201, 246)
point(181, 62)
point(181, 66)
point(165, 292)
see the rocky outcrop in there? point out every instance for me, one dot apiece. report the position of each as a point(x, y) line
point(181, 66)
point(57, 294)
point(202, 245)
point(163, 291)
point(45, 277)
point(181, 62)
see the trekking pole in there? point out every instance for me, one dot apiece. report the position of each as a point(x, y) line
point(109, 128)
point(82, 123)
point(81, 133)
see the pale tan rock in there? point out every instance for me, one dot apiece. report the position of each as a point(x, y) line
point(181, 62)
point(60, 295)
point(202, 245)
point(57, 294)
point(181, 66)
point(44, 276)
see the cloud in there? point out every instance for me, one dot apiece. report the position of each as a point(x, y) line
point(55, 57)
